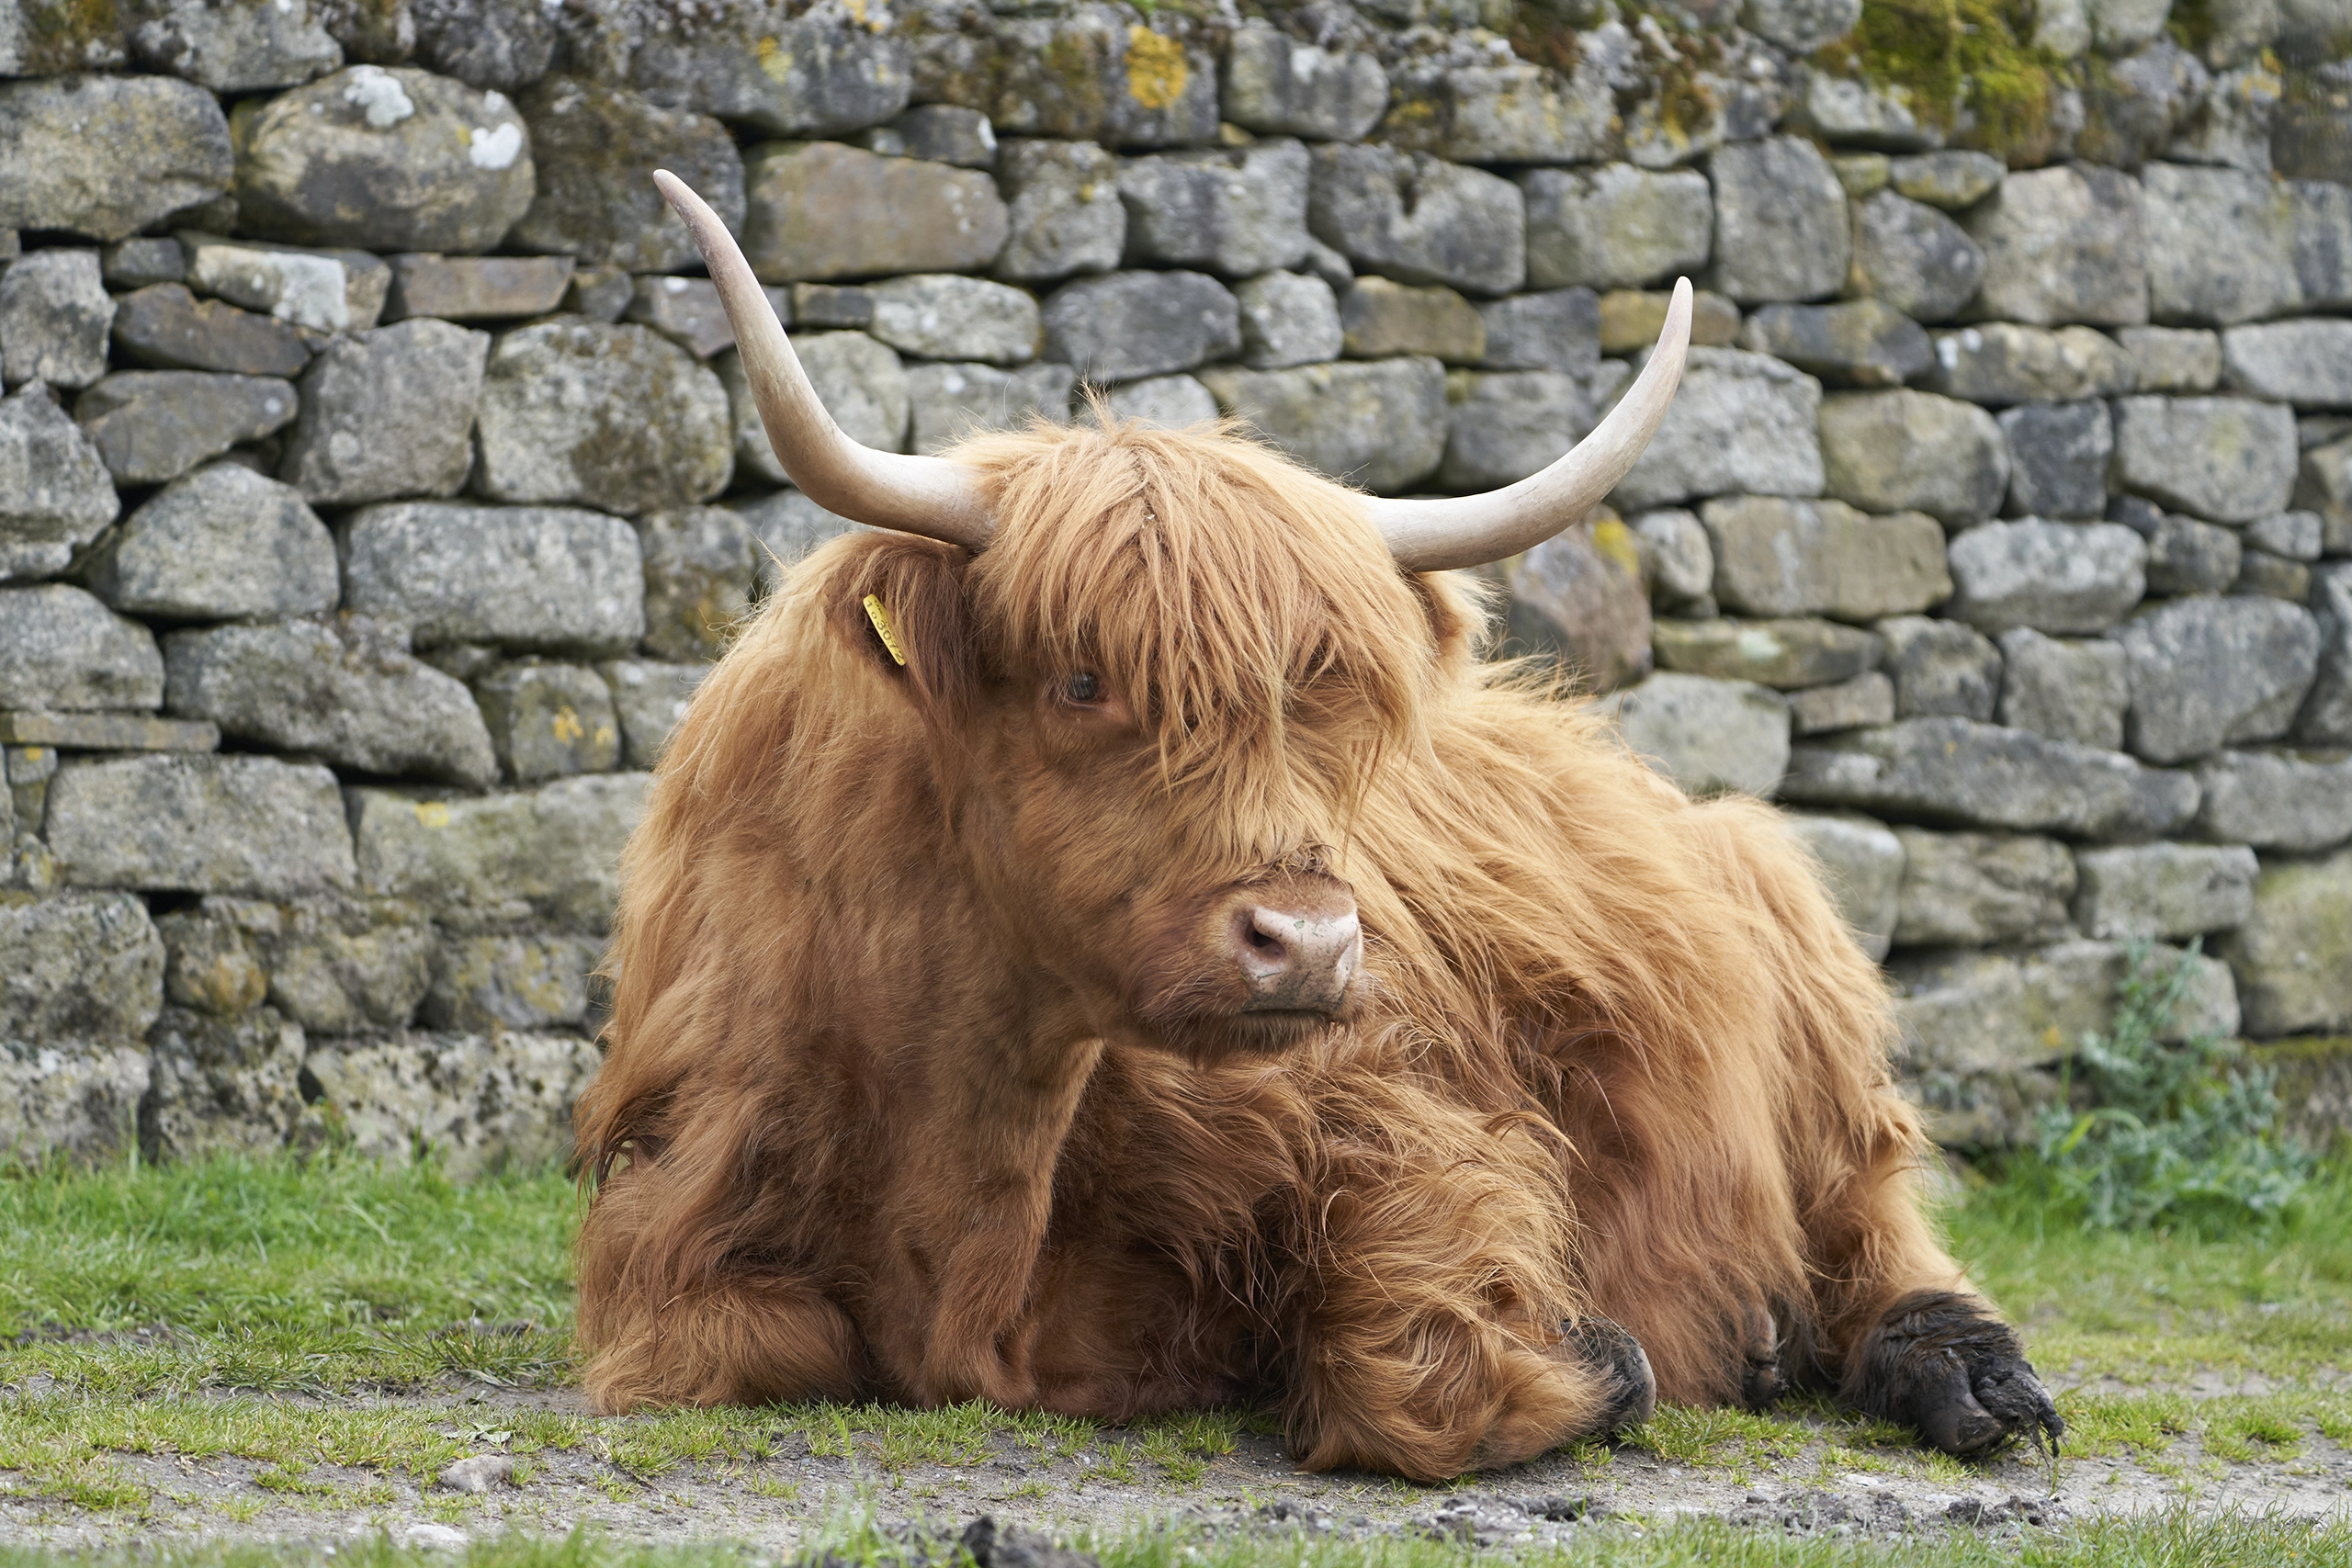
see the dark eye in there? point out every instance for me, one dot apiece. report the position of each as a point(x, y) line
point(1084, 687)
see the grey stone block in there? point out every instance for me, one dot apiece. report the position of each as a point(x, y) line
point(222, 1086)
point(1861, 866)
point(2062, 246)
point(1912, 257)
point(1801, 26)
point(2163, 891)
point(166, 326)
point(471, 288)
point(1615, 226)
point(1781, 231)
point(1709, 737)
point(698, 575)
point(221, 542)
point(1237, 213)
point(2172, 359)
point(1775, 556)
point(1631, 320)
point(1288, 319)
point(594, 148)
point(942, 316)
point(1952, 180)
point(1868, 698)
point(2276, 800)
point(1557, 330)
point(1477, 112)
point(2220, 246)
point(2063, 578)
point(1849, 112)
point(818, 305)
point(2324, 484)
point(784, 526)
point(650, 700)
point(2326, 717)
point(325, 290)
point(2297, 535)
point(1507, 424)
point(233, 48)
point(2058, 458)
point(2306, 363)
point(445, 167)
point(1940, 668)
point(198, 824)
point(1063, 211)
point(1741, 423)
point(1379, 423)
point(330, 962)
point(2000, 363)
point(1911, 451)
point(1378, 318)
point(549, 721)
point(78, 1099)
point(2205, 672)
point(1860, 343)
point(1173, 403)
point(952, 401)
point(154, 425)
point(1677, 558)
point(78, 966)
point(860, 381)
point(504, 44)
point(2184, 555)
point(141, 263)
point(1960, 772)
point(821, 211)
point(1972, 890)
point(1129, 325)
point(804, 77)
point(481, 1103)
point(1787, 654)
point(345, 690)
point(55, 315)
point(687, 311)
point(551, 579)
point(106, 156)
point(1087, 74)
point(389, 413)
point(552, 854)
point(2292, 955)
point(616, 416)
point(66, 651)
point(1462, 227)
point(1278, 85)
point(55, 491)
point(2228, 459)
point(1579, 604)
point(941, 134)
point(2067, 691)
point(1963, 1012)
point(497, 983)
point(2130, 108)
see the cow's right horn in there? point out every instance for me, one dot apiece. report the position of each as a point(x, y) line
point(930, 496)
point(1471, 530)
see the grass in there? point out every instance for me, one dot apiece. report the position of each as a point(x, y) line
point(170, 1312)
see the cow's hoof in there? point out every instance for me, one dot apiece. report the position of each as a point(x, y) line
point(1609, 1350)
point(1942, 1364)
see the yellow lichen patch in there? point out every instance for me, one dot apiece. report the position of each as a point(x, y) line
point(1615, 541)
point(776, 61)
point(1157, 71)
point(431, 814)
point(566, 725)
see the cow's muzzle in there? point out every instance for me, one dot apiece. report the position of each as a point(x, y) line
point(1298, 954)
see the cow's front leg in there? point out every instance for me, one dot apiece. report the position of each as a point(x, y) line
point(1941, 1362)
point(1436, 1328)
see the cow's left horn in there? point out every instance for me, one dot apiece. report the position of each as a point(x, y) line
point(1471, 530)
point(930, 496)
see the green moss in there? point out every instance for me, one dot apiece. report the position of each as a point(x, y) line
point(1949, 56)
point(71, 35)
point(1541, 35)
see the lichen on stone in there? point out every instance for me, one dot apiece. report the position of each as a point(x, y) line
point(1157, 71)
point(1964, 67)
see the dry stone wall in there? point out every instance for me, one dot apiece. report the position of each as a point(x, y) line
point(377, 477)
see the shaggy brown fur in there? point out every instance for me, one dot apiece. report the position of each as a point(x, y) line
point(923, 1085)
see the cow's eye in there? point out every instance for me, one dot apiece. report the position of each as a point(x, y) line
point(1084, 687)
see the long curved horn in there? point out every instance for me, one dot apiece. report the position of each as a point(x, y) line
point(1471, 530)
point(930, 496)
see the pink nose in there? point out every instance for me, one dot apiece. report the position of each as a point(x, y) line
point(1297, 960)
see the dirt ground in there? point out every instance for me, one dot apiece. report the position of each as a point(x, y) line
point(784, 1504)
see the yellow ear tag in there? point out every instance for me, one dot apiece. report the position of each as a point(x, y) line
point(882, 627)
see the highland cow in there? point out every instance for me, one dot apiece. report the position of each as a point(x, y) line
point(1104, 943)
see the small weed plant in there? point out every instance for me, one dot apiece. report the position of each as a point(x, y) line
point(2176, 1136)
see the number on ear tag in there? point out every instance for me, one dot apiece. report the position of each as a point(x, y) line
point(883, 629)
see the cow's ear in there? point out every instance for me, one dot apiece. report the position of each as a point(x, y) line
point(903, 605)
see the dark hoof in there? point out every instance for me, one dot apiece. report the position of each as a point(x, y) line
point(1761, 1381)
point(1941, 1363)
point(1607, 1350)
